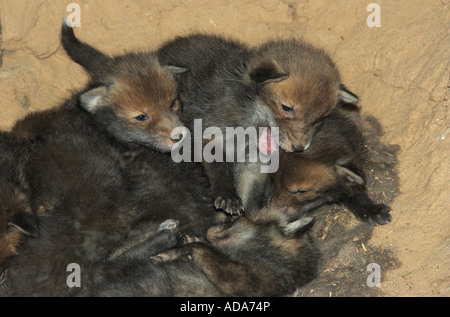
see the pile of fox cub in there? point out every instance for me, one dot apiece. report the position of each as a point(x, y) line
point(93, 202)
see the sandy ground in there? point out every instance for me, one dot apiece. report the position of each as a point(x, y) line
point(400, 70)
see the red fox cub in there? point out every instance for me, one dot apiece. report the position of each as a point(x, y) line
point(239, 258)
point(331, 171)
point(132, 97)
point(310, 91)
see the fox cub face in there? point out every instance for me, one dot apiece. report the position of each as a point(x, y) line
point(331, 168)
point(332, 171)
point(132, 96)
point(310, 91)
point(245, 238)
point(139, 106)
point(310, 183)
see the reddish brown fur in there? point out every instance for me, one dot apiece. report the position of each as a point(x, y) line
point(310, 102)
point(301, 174)
point(154, 96)
point(332, 171)
point(8, 244)
point(134, 98)
point(132, 95)
point(311, 90)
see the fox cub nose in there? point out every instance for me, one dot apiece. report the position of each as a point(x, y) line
point(302, 147)
point(298, 148)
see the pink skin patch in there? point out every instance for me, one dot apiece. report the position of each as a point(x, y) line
point(266, 142)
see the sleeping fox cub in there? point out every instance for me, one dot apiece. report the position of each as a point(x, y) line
point(240, 258)
point(331, 171)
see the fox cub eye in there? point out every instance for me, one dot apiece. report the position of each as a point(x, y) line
point(175, 106)
point(286, 108)
point(142, 118)
point(302, 192)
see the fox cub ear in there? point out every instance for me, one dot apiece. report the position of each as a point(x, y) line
point(25, 222)
point(93, 99)
point(346, 95)
point(175, 69)
point(350, 176)
point(265, 71)
point(298, 227)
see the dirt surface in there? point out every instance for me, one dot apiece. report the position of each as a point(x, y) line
point(400, 70)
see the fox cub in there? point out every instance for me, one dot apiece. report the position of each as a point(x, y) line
point(219, 89)
point(311, 90)
point(331, 171)
point(132, 97)
point(229, 263)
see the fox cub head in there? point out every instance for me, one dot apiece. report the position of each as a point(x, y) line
point(132, 96)
point(245, 239)
point(305, 184)
point(332, 171)
point(309, 91)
